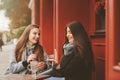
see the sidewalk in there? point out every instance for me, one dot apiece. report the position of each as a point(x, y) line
point(4, 57)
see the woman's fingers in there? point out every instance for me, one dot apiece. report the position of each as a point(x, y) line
point(41, 65)
point(31, 57)
point(58, 66)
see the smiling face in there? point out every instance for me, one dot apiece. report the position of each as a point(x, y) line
point(34, 36)
point(69, 35)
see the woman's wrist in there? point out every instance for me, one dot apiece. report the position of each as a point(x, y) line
point(25, 63)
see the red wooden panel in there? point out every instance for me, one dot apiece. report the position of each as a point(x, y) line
point(98, 45)
point(46, 23)
point(112, 37)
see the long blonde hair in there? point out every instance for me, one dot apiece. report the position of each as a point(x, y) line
point(22, 44)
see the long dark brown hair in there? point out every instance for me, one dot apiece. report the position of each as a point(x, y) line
point(21, 44)
point(82, 43)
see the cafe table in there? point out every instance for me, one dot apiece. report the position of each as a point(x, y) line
point(20, 77)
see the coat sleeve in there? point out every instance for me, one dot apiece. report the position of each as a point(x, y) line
point(14, 66)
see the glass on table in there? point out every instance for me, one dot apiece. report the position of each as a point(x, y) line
point(50, 60)
point(34, 68)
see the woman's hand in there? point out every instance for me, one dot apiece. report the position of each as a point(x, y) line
point(58, 66)
point(41, 65)
point(53, 60)
point(31, 57)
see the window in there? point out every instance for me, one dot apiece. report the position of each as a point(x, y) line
point(100, 16)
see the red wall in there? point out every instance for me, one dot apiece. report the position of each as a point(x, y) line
point(66, 11)
point(37, 12)
point(62, 12)
point(92, 17)
point(98, 44)
point(113, 39)
point(117, 31)
point(46, 23)
point(55, 14)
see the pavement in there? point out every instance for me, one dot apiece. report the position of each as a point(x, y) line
point(4, 57)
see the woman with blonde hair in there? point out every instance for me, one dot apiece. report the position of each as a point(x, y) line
point(26, 50)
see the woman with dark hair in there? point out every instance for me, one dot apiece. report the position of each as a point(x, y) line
point(26, 50)
point(77, 62)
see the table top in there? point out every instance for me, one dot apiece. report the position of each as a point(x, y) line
point(20, 77)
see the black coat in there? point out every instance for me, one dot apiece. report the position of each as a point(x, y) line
point(72, 66)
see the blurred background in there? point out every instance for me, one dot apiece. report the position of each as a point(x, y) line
point(15, 15)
